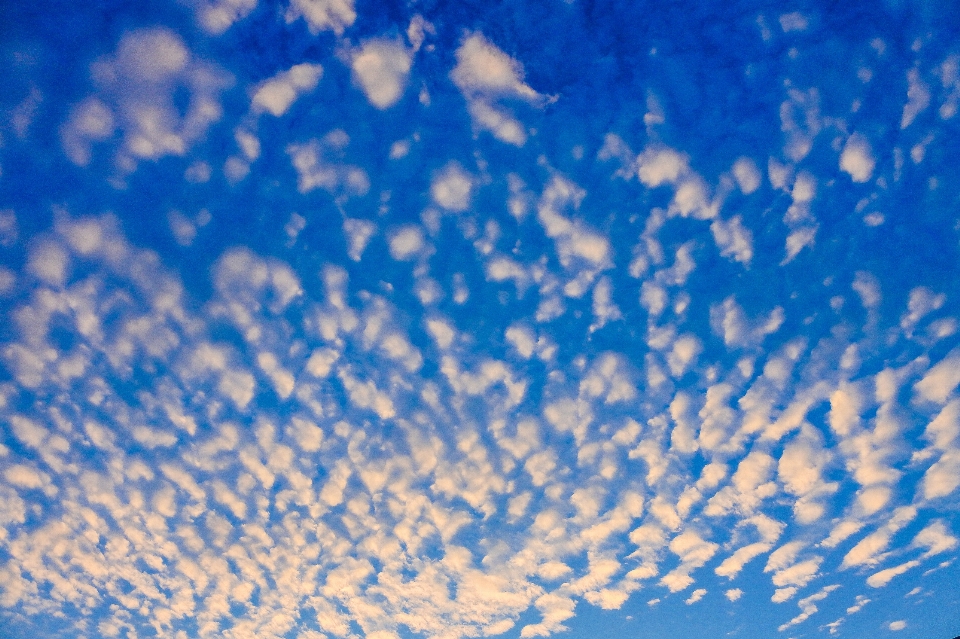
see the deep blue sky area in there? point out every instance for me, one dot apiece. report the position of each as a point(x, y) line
point(349, 319)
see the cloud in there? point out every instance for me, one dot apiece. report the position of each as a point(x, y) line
point(323, 15)
point(358, 234)
point(918, 98)
point(868, 550)
point(381, 67)
point(857, 158)
point(136, 87)
point(882, 578)
point(317, 167)
point(794, 21)
point(485, 75)
point(941, 380)
point(406, 242)
point(733, 239)
point(747, 176)
point(452, 188)
point(307, 442)
point(277, 94)
point(808, 606)
point(216, 16)
point(693, 552)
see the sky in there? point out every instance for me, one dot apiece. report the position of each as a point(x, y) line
point(333, 319)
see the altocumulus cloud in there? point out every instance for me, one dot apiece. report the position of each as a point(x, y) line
point(328, 323)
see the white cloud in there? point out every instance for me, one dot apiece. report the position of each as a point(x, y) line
point(90, 121)
point(882, 578)
point(216, 16)
point(747, 176)
point(441, 332)
point(277, 94)
point(795, 21)
point(733, 594)
point(358, 233)
point(869, 550)
point(918, 98)
point(897, 625)
point(867, 287)
point(695, 596)
point(23, 476)
point(137, 86)
point(693, 552)
point(49, 261)
point(381, 67)
point(452, 188)
point(660, 165)
point(733, 239)
point(482, 67)
point(936, 538)
point(943, 476)
point(406, 242)
point(941, 380)
point(604, 309)
point(808, 606)
point(857, 158)
point(323, 15)
point(485, 74)
point(522, 339)
point(316, 166)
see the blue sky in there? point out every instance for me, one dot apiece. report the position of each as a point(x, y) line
point(333, 318)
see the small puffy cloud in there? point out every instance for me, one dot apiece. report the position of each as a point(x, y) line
point(733, 239)
point(918, 98)
point(23, 476)
point(660, 165)
point(733, 594)
point(381, 67)
point(321, 361)
point(693, 551)
point(696, 596)
point(277, 94)
point(358, 234)
point(808, 606)
point(442, 333)
point(485, 74)
point(317, 167)
point(49, 261)
point(406, 242)
point(323, 15)
point(90, 121)
point(867, 287)
point(747, 175)
point(153, 438)
point(137, 85)
point(870, 550)
point(840, 532)
point(795, 21)
point(941, 380)
point(522, 339)
point(483, 68)
point(452, 187)
point(856, 159)
point(882, 578)
point(604, 308)
point(216, 16)
point(943, 476)
point(936, 538)
point(683, 354)
point(897, 625)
